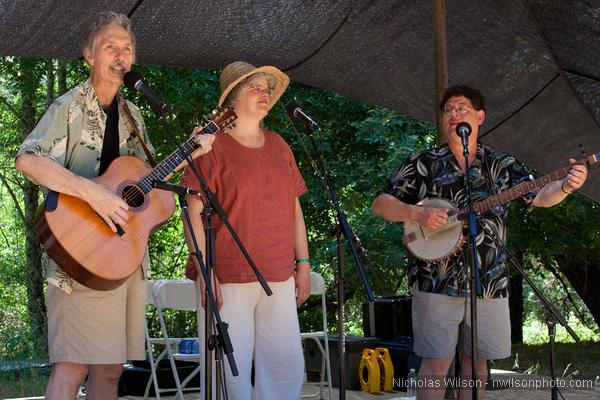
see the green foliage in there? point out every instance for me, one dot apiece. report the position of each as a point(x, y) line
point(23, 382)
point(535, 330)
point(191, 93)
point(362, 150)
point(568, 230)
point(362, 146)
point(564, 239)
point(573, 360)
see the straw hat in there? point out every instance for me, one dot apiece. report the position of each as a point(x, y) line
point(237, 71)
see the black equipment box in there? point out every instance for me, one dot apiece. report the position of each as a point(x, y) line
point(388, 318)
point(354, 348)
point(403, 359)
point(135, 377)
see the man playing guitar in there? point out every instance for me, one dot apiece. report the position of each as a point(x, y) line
point(440, 286)
point(90, 332)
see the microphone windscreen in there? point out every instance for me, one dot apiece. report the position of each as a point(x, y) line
point(291, 108)
point(463, 128)
point(131, 78)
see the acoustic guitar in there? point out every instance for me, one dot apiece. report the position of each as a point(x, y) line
point(448, 240)
point(84, 246)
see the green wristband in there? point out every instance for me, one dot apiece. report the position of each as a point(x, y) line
point(302, 260)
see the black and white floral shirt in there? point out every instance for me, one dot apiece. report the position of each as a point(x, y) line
point(436, 173)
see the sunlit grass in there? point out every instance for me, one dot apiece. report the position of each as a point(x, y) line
point(573, 360)
point(536, 332)
point(25, 383)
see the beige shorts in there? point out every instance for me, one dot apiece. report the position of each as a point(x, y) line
point(437, 318)
point(97, 327)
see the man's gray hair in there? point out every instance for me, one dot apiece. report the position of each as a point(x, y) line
point(103, 20)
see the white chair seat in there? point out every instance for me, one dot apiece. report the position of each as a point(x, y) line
point(175, 295)
point(317, 287)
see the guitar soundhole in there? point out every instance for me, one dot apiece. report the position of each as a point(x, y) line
point(133, 196)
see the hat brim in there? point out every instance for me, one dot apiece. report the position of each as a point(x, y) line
point(281, 83)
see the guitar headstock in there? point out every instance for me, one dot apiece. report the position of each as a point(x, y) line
point(592, 159)
point(221, 118)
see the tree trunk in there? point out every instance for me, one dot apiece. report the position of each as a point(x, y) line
point(62, 77)
point(515, 303)
point(36, 305)
point(51, 80)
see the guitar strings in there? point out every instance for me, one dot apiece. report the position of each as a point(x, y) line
point(131, 193)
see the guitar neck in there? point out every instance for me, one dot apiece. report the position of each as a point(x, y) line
point(528, 187)
point(171, 162)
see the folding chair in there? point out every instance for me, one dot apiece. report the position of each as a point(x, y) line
point(174, 295)
point(149, 342)
point(317, 287)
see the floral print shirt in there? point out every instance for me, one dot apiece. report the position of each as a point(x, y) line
point(71, 132)
point(436, 173)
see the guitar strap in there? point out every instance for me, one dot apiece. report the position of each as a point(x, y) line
point(134, 128)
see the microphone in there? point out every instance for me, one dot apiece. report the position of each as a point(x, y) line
point(171, 187)
point(463, 130)
point(134, 81)
point(294, 110)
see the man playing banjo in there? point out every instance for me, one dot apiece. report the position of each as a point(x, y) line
point(440, 286)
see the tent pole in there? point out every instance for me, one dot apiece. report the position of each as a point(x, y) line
point(440, 56)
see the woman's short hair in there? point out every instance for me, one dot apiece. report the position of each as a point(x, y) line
point(235, 92)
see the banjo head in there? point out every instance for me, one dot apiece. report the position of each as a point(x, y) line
point(439, 244)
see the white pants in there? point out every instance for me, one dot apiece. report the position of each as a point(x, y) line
point(264, 329)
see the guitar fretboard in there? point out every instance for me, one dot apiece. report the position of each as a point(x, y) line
point(168, 165)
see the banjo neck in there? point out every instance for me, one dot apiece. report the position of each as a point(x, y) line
point(522, 189)
point(433, 245)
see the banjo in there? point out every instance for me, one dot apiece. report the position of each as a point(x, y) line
point(449, 240)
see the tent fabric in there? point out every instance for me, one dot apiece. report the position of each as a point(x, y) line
point(536, 61)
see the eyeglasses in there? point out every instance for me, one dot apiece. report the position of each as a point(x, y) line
point(460, 110)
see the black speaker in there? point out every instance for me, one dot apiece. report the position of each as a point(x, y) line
point(388, 318)
point(354, 346)
point(135, 377)
point(403, 359)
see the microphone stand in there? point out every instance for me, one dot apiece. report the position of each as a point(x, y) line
point(343, 227)
point(553, 317)
point(475, 284)
point(222, 339)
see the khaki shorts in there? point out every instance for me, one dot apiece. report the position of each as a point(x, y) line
point(436, 320)
point(97, 327)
